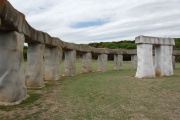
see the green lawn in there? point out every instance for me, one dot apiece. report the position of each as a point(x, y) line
point(112, 95)
point(126, 65)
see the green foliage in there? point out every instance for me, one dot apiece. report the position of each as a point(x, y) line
point(112, 45)
point(177, 59)
point(177, 42)
point(25, 52)
point(115, 45)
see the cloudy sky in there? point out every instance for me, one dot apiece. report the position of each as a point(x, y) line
point(85, 21)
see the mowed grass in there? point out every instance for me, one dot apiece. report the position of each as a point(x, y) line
point(112, 95)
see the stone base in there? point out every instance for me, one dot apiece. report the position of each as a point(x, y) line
point(134, 62)
point(145, 68)
point(12, 79)
point(118, 59)
point(70, 63)
point(87, 63)
point(52, 59)
point(35, 66)
point(102, 62)
point(163, 61)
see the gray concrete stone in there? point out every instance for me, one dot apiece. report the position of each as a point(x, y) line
point(118, 59)
point(102, 62)
point(69, 63)
point(87, 63)
point(145, 68)
point(52, 59)
point(163, 60)
point(134, 61)
point(154, 40)
point(35, 66)
point(12, 79)
point(174, 62)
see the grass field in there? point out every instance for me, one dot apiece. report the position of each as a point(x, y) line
point(112, 95)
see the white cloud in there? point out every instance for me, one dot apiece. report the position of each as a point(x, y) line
point(126, 19)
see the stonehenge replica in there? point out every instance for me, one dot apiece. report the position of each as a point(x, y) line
point(45, 55)
point(163, 49)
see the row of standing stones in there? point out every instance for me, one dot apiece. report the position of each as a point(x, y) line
point(45, 54)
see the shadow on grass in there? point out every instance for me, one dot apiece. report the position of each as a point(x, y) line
point(30, 100)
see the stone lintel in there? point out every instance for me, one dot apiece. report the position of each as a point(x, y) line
point(130, 52)
point(176, 52)
point(60, 43)
point(154, 40)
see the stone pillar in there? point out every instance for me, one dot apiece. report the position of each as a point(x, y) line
point(134, 61)
point(118, 59)
point(52, 59)
point(12, 78)
point(163, 60)
point(154, 60)
point(174, 62)
point(145, 67)
point(102, 62)
point(87, 63)
point(35, 66)
point(70, 63)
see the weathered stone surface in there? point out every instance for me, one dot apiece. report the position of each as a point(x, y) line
point(102, 62)
point(118, 59)
point(130, 52)
point(145, 68)
point(12, 79)
point(81, 48)
point(154, 40)
point(35, 65)
point(134, 61)
point(11, 18)
point(69, 63)
point(163, 60)
point(69, 46)
point(176, 52)
point(60, 43)
point(87, 63)
point(52, 59)
point(51, 41)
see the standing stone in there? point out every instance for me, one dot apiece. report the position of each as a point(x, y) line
point(87, 63)
point(134, 61)
point(102, 62)
point(118, 59)
point(153, 60)
point(35, 65)
point(12, 79)
point(145, 61)
point(174, 62)
point(52, 59)
point(163, 60)
point(70, 63)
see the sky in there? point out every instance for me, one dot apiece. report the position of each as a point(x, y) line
point(87, 21)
